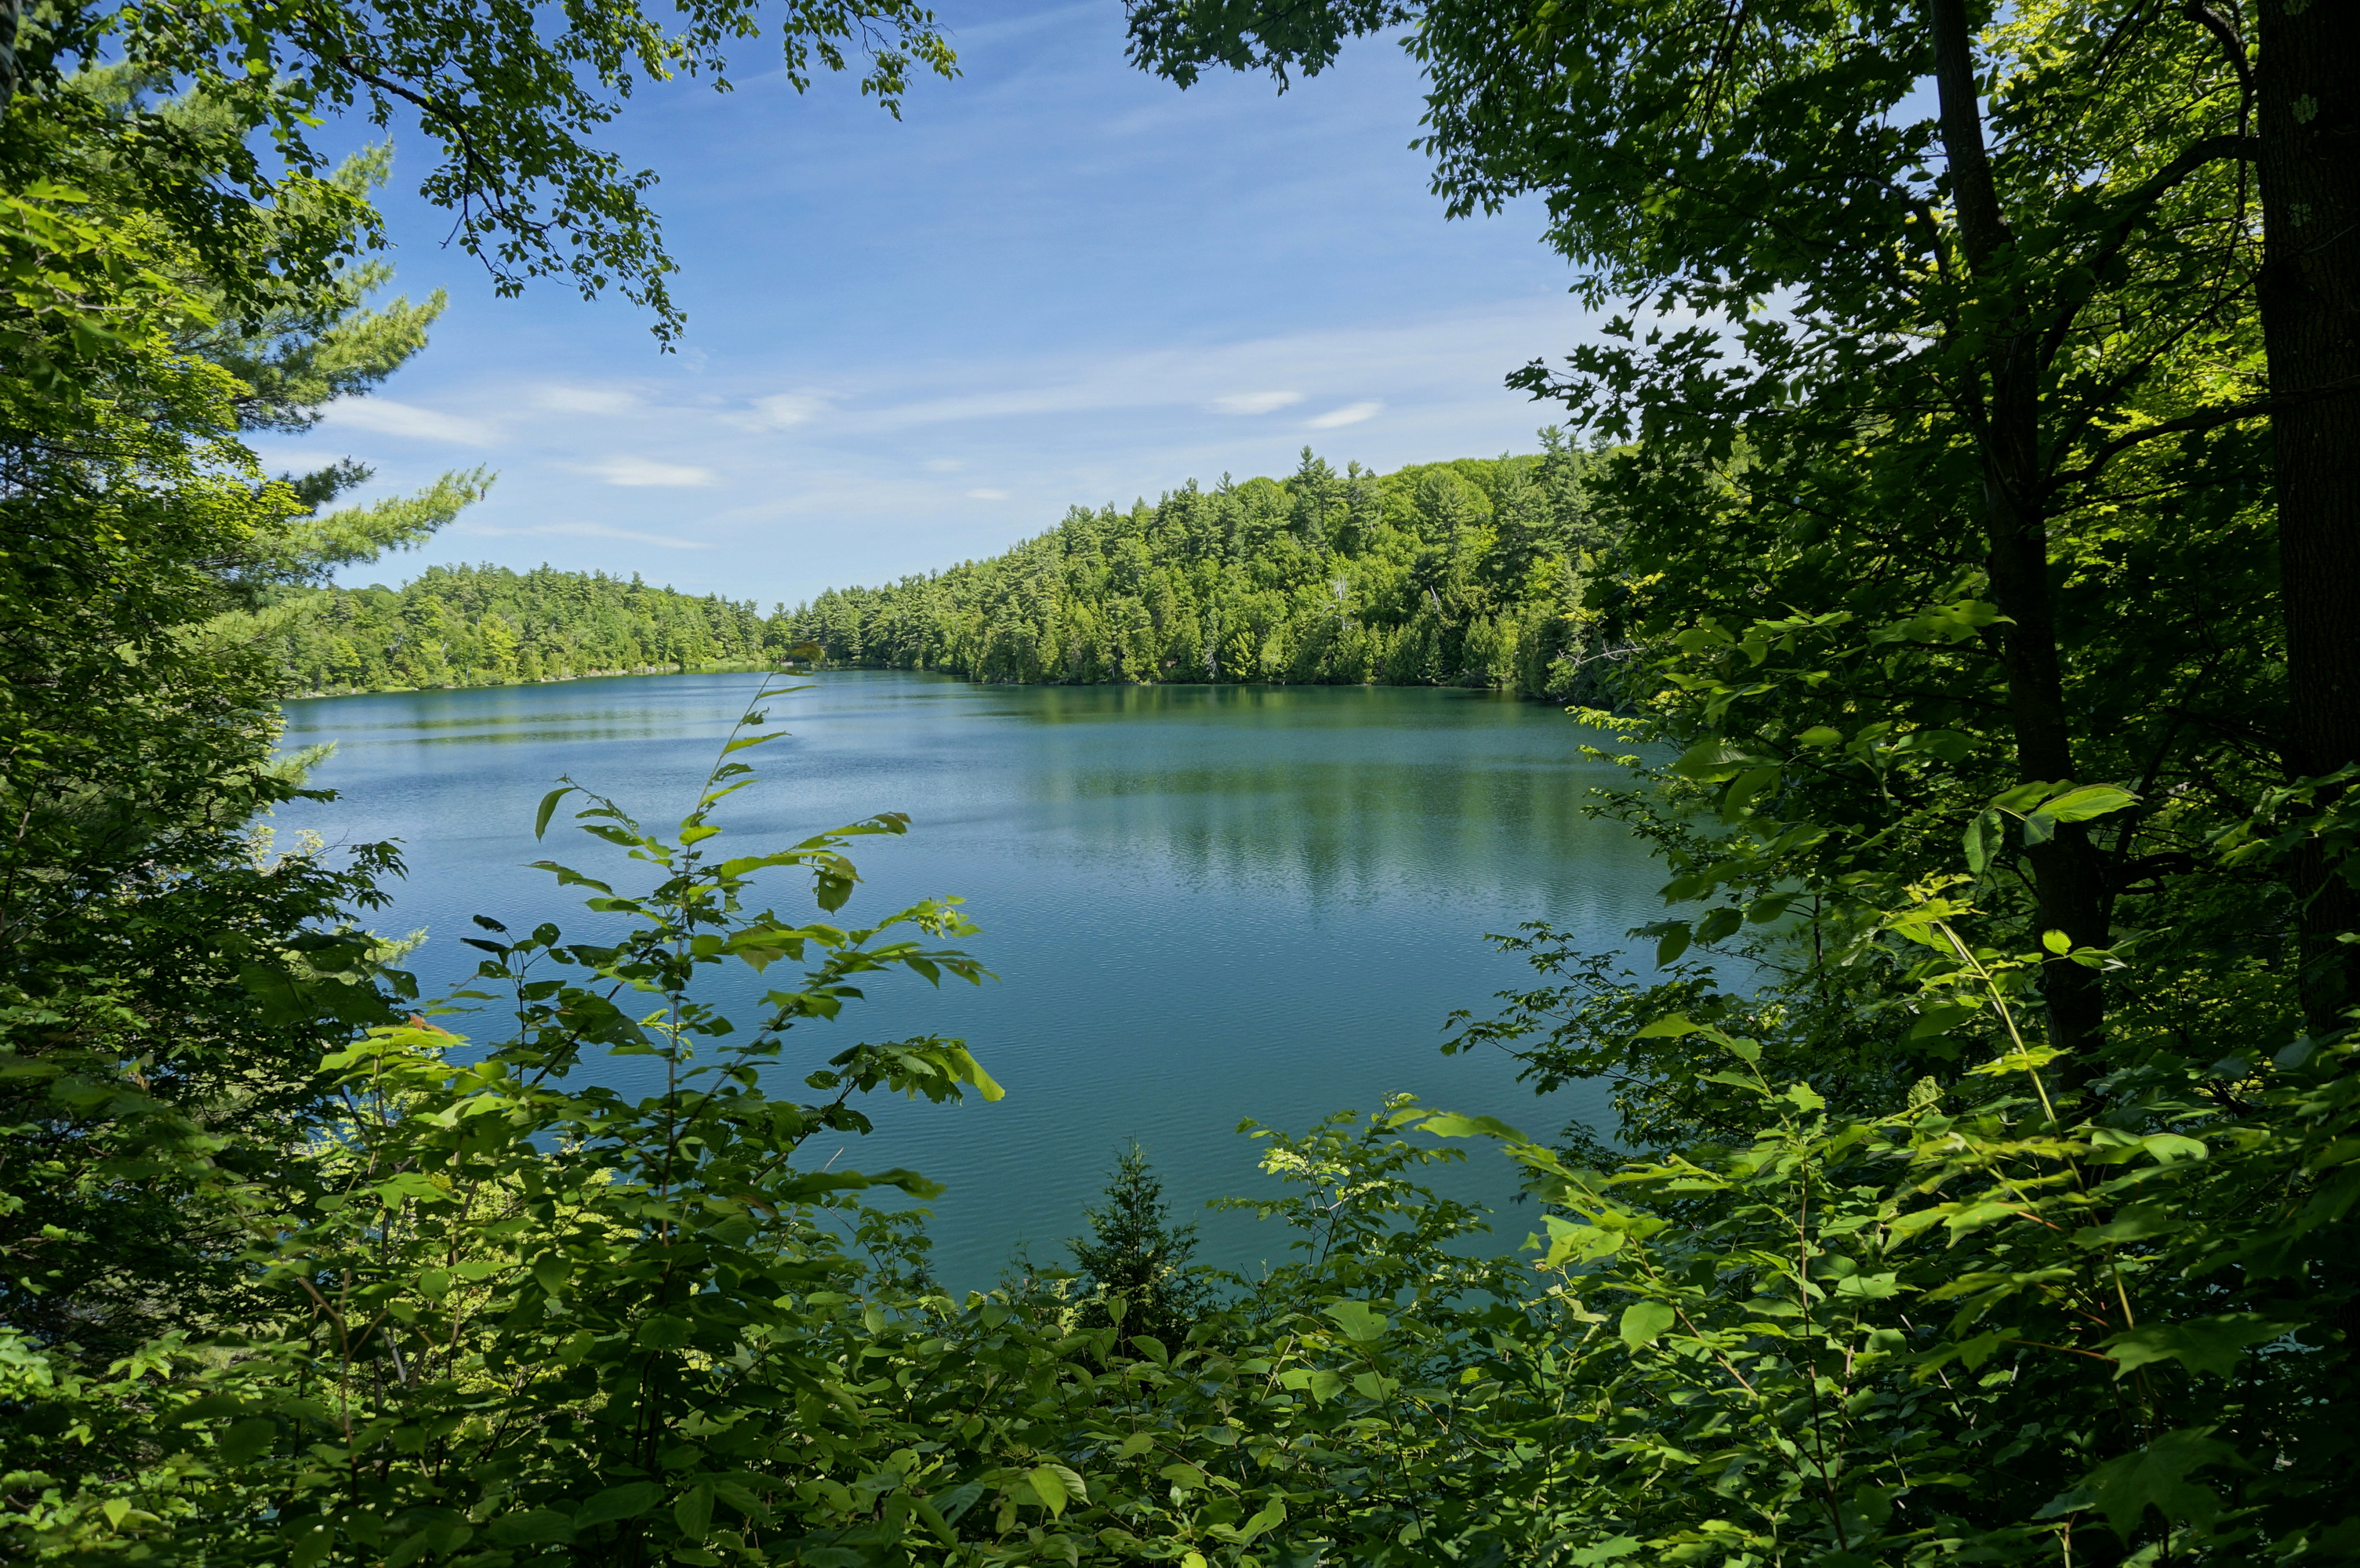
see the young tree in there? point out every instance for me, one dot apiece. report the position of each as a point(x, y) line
point(1135, 1256)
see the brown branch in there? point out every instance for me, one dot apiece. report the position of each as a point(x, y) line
point(2136, 206)
point(2232, 45)
point(2202, 419)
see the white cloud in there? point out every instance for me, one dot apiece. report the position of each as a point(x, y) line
point(383, 415)
point(991, 495)
point(648, 473)
point(1256, 402)
point(1349, 414)
point(781, 411)
point(1455, 361)
point(579, 531)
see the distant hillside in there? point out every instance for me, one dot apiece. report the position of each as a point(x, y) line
point(1451, 574)
point(486, 625)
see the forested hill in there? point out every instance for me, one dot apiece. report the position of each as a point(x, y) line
point(1451, 573)
point(486, 625)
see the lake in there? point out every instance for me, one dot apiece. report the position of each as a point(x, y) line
point(1203, 903)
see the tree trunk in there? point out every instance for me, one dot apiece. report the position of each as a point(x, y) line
point(2307, 73)
point(2068, 881)
point(11, 15)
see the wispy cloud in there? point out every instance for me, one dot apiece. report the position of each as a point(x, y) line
point(991, 495)
point(644, 472)
point(579, 531)
point(783, 410)
point(1349, 414)
point(1416, 364)
point(1256, 402)
point(579, 399)
point(383, 415)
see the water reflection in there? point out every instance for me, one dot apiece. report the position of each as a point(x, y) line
point(1205, 903)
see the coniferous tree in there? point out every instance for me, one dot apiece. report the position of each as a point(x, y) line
point(1136, 1256)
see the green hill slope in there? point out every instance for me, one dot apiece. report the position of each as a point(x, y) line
point(1452, 573)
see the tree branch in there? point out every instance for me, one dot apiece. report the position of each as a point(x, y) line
point(2202, 419)
point(2232, 45)
point(1973, 196)
point(2136, 206)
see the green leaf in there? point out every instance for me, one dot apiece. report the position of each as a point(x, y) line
point(1272, 1516)
point(1645, 1322)
point(549, 809)
point(410, 1184)
point(245, 1441)
point(1450, 1124)
point(2090, 801)
point(2201, 1345)
point(1982, 837)
point(1712, 761)
point(1940, 1020)
point(1057, 1486)
point(1672, 943)
point(2157, 1477)
point(1672, 1026)
point(1361, 1322)
point(628, 1501)
point(694, 1512)
point(1719, 923)
point(539, 1527)
point(1738, 801)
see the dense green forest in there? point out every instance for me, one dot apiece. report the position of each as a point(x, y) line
point(1968, 506)
point(486, 625)
point(1467, 573)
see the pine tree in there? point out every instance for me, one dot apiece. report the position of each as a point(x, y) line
point(1135, 1255)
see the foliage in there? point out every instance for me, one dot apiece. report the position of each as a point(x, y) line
point(1136, 1261)
point(485, 625)
point(1951, 536)
point(170, 989)
point(1458, 573)
point(1945, 589)
point(509, 97)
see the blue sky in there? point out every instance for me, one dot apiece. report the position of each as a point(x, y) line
point(1055, 281)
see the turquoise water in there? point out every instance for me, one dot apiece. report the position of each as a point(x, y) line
point(1201, 903)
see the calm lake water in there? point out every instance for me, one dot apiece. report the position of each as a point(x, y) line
point(1203, 903)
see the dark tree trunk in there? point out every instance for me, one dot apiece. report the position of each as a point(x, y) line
point(11, 15)
point(2068, 880)
point(2309, 92)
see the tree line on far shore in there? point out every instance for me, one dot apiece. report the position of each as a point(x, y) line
point(1460, 573)
point(1468, 573)
point(486, 625)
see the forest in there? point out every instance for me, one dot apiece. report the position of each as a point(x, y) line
point(1464, 573)
point(1470, 572)
point(1962, 546)
point(486, 625)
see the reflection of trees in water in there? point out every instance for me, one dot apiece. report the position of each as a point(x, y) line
point(1329, 794)
point(1335, 792)
point(1334, 830)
